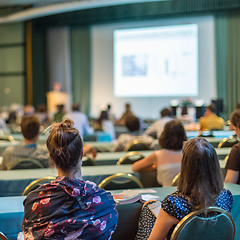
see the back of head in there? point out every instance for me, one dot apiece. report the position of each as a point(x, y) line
point(173, 136)
point(30, 125)
point(132, 123)
point(184, 110)
point(200, 177)
point(237, 107)
point(65, 145)
point(235, 118)
point(212, 108)
point(166, 112)
point(76, 107)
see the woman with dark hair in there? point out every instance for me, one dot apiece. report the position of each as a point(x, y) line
point(104, 124)
point(68, 207)
point(167, 161)
point(200, 186)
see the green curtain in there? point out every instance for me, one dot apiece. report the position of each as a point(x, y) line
point(221, 59)
point(233, 61)
point(81, 66)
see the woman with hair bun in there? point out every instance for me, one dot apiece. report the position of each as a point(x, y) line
point(68, 207)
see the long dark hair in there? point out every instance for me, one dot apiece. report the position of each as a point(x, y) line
point(103, 116)
point(200, 179)
point(65, 145)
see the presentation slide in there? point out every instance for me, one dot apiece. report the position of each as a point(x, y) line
point(156, 61)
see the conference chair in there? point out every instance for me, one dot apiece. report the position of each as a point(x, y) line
point(205, 134)
point(36, 183)
point(228, 142)
point(130, 158)
point(209, 223)
point(2, 236)
point(175, 180)
point(27, 163)
point(136, 145)
point(120, 181)
point(88, 161)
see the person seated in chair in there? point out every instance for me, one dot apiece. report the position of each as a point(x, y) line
point(167, 160)
point(233, 162)
point(200, 186)
point(210, 120)
point(68, 207)
point(156, 129)
point(133, 125)
point(30, 126)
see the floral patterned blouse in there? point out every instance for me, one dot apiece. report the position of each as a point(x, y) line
point(68, 208)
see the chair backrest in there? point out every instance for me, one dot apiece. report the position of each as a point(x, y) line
point(130, 158)
point(175, 180)
point(209, 223)
point(136, 145)
point(206, 134)
point(2, 236)
point(36, 183)
point(120, 181)
point(228, 142)
point(88, 161)
point(27, 163)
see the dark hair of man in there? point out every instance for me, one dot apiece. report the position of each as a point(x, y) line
point(65, 145)
point(235, 118)
point(166, 112)
point(173, 136)
point(184, 110)
point(132, 123)
point(76, 107)
point(200, 179)
point(30, 125)
point(212, 108)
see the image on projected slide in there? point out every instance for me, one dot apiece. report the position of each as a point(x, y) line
point(134, 65)
point(156, 61)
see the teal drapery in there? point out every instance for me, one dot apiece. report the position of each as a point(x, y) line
point(233, 61)
point(81, 66)
point(220, 53)
point(227, 39)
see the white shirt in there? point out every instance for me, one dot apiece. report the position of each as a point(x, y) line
point(158, 126)
point(80, 122)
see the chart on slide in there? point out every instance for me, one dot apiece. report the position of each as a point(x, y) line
point(156, 61)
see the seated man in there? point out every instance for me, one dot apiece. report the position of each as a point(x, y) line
point(30, 125)
point(133, 125)
point(233, 163)
point(211, 120)
point(156, 129)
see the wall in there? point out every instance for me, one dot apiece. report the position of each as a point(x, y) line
point(12, 64)
point(102, 68)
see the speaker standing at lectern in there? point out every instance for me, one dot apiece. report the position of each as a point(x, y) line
point(56, 97)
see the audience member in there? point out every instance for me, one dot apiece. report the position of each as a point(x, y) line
point(80, 120)
point(184, 117)
point(30, 149)
point(58, 116)
point(166, 161)
point(111, 115)
point(42, 114)
point(128, 113)
point(133, 125)
point(156, 129)
point(104, 124)
point(211, 121)
point(200, 185)
point(68, 207)
point(28, 110)
point(233, 163)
